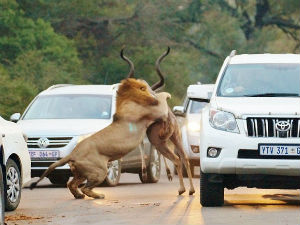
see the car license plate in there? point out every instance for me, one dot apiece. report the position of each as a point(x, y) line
point(43, 154)
point(280, 150)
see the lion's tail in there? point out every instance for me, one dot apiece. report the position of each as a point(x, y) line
point(60, 162)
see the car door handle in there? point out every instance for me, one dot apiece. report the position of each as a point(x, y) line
point(3, 135)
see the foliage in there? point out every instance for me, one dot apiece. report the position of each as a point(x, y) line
point(32, 57)
point(44, 42)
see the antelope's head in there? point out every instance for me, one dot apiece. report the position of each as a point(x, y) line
point(136, 90)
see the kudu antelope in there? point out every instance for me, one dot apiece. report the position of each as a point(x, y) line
point(137, 106)
point(163, 131)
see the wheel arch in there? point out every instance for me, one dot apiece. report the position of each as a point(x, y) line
point(2, 164)
point(17, 160)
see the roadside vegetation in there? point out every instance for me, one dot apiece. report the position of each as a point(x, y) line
point(60, 41)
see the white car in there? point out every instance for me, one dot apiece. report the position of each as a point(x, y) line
point(189, 116)
point(250, 132)
point(63, 115)
point(15, 161)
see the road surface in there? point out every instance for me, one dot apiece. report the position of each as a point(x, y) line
point(134, 203)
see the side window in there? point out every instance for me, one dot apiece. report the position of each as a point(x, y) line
point(186, 103)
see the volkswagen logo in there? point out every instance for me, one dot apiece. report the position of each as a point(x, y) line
point(43, 142)
point(283, 126)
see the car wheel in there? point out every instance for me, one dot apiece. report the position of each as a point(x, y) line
point(60, 179)
point(113, 174)
point(1, 197)
point(211, 194)
point(13, 185)
point(153, 169)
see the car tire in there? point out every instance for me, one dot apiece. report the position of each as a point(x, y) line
point(211, 194)
point(113, 174)
point(60, 179)
point(13, 185)
point(153, 169)
point(2, 206)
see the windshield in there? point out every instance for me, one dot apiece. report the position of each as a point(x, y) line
point(196, 106)
point(261, 80)
point(70, 107)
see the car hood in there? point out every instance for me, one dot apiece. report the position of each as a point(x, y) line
point(258, 105)
point(59, 127)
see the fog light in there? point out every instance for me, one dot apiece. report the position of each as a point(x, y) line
point(195, 148)
point(213, 152)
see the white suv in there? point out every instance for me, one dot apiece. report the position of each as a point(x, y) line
point(250, 132)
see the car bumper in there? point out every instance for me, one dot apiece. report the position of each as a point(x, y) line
point(39, 167)
point(230, 144)
point(191, 138)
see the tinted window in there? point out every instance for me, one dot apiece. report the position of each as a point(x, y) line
point(196, 107)
point(261, 80)
point(70, 107)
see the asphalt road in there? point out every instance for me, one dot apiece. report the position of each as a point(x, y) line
point(134, 203)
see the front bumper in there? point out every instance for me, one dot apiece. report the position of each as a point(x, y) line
point(191, 138)
point(231, 143)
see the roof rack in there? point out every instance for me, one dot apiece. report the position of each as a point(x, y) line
point(58, 86)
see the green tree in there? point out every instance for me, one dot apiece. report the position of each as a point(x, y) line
point(33, 57)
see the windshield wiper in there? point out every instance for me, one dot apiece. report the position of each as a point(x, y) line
point(273, 95)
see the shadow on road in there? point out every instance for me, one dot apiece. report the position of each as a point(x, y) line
point(177, 213)
point(48, 186)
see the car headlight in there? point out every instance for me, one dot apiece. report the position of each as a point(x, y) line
point(194, 126)
point(223, 121)
point(82, 137)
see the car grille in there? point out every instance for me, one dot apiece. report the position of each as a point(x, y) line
point(54, 142)
point(265, 127)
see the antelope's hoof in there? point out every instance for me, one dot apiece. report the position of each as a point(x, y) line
point(170, 177)
point(181, 192)
point(191, 192)
point(79, 196)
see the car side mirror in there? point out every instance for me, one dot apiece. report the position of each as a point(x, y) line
point(15, 117)
point(179, 111)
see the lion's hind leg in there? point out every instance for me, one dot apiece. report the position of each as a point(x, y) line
point(94, 178)
point(75, 182)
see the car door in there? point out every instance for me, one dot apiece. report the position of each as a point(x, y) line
point(13, 143)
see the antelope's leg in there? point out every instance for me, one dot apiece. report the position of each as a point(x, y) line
point(180, 151)
point(168, 153)
point(168, 170)
point(144, 169)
